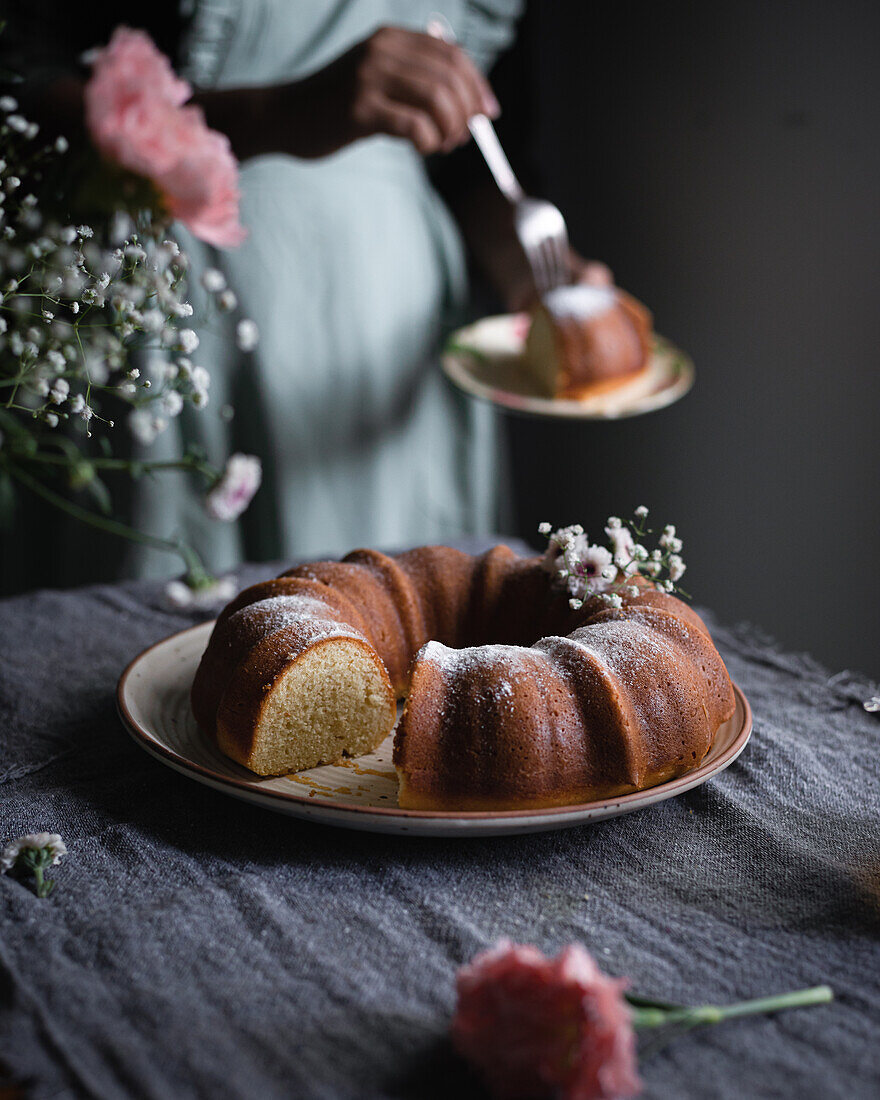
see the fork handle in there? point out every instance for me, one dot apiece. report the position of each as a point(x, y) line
point(481, 128)
point(484, 135)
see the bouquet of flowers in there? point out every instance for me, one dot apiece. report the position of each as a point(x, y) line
point(90, 276)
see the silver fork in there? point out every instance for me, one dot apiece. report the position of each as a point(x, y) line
point(539, 224)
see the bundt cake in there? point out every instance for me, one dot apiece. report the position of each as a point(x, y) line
point(585, 340)
point(514, 698)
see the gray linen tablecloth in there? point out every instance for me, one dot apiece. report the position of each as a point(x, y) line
point(197, 946)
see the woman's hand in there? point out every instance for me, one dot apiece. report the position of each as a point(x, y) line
point(405, 84)
point(396, 82)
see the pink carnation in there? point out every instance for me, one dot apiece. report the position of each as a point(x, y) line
point(135, 115)
point(235, 489)
point(540, 1027)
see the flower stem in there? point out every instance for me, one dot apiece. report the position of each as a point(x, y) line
point(698, 1015)
point(44, 885)
point(197, 575)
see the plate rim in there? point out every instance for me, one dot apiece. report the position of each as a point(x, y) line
point(206, 775)
point(556, 408)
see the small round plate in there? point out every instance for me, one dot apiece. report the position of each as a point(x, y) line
point(153, 701)
point(485, 360)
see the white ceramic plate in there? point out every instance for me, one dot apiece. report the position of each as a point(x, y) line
point(485, 360)
point(153, 701)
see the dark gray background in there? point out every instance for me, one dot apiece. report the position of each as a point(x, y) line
point(724, 160)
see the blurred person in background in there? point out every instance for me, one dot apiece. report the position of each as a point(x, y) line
point(353, 270)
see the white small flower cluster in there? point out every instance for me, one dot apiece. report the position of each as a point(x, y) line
point(614, 571)
point(77, 302)
point(872, 705)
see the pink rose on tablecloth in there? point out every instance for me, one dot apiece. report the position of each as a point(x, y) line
point(541, 1027)
point(136, 118)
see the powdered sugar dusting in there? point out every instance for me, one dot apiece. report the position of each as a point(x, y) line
point(583, 301)
point(276, 612)
point(507, 665)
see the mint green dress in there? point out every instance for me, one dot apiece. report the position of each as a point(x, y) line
point(353, 271)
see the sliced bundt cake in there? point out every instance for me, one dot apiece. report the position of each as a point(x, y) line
point(514, 698)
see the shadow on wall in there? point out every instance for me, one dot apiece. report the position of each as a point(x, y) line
point(724, 162)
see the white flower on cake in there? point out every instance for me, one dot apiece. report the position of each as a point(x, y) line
point(588, 569)
point(622, 544)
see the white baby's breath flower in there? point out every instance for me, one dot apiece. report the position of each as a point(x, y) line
point(544, 528)
point(613, 600)
point(152, 320)
point(171, 402)
point(56, 358)
point(61, 144)
point(622, 545)
point(227, 300)
point(235, 489)
point(85, 231)
point(181, 309)
point(641, 511)
point(17, 123)
point(247, 335)
point(213, 281)
point(52, 419)
point(872, 705)
point(142, 425)
point(59, 391)
point(200, 378)
point(3, 325)
point(200, 398)
point(7, 103)
point(614, 522)
point(676, 568)
point(187, 340)
point(181, 596)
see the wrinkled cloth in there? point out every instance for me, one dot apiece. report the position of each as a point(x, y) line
point(197, 946)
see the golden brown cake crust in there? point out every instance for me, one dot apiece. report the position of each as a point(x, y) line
point(597, 352)
point(515, 700)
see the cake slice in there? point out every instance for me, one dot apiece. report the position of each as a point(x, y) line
point(585, 340)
